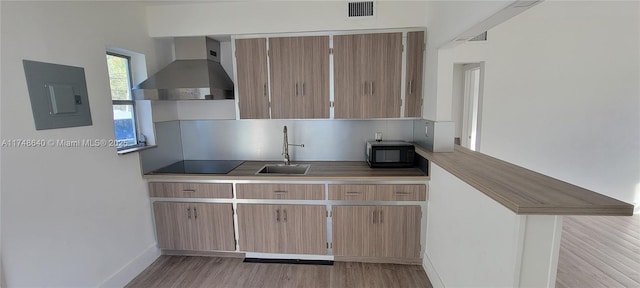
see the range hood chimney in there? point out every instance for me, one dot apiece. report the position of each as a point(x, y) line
point(196, 74)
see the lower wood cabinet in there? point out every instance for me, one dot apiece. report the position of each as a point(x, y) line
point(376, 231)
point(291, 229)
point(194, 226)
point(370, 233)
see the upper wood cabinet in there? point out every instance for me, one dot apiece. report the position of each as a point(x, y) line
point(367, 75)
point(251, 67)
point(414, 72)
point(299, 70)
point(290, 79)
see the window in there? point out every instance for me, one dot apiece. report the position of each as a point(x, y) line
point(124, 116)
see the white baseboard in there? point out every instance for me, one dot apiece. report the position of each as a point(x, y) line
point(133, 268)
point(433, 275)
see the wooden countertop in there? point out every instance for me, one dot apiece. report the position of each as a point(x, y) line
point(521, 190)
point(357, 171)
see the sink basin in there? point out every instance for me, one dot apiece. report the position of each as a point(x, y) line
point(281, 169)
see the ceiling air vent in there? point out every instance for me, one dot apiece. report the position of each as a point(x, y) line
point(361, 9)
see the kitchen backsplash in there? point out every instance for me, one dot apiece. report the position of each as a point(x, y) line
point(324, 140)
point(169, 148)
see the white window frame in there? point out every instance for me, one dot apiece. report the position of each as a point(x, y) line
point(131, 102)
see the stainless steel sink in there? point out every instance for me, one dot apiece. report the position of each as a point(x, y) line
point(281, 169)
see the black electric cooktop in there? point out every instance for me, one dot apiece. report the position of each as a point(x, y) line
point(200, 167)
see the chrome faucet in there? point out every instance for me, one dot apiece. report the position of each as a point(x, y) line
point(285, 146)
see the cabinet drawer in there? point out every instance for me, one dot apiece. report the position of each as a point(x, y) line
point(280, 191)
point(403, 192)
point(351, 192)
point(190, 190)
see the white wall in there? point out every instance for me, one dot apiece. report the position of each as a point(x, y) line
point(71, 216)
point(561, 94)
point(445, 20)
point(457, 101)
point(250, 17)
point(471, 239)
point(448, 19)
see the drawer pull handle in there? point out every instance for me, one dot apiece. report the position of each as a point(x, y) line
point(189, 213)
point(195, 213)
point(278, 215)
point(374, 217)
point(285, 215)
point(353, 193)
point(402, 193)
point(189, 190)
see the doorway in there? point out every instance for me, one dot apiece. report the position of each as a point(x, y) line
point(467, 104)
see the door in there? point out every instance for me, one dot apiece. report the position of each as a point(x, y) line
point(173, 225)
point(471, 110)
point(213, 227)
point(414, 71)
point(399, 231)
point(354, 231)
point(305, 229)
point(251, 66)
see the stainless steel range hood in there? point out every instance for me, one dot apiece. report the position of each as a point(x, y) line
point(196, 74)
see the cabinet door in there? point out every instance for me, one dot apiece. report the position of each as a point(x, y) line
point(367, 75)
point(251, 66)
point(260, 228)
point(305, 229)
point(385, 76)
point(399, 230)
point(213, 227)
point(299, 69)
point(284, 59)
point(350, 55)
point(173, 225)
point(315, 77)
point(413, 84)
point(354, 231)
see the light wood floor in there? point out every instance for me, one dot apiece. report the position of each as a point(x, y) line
point(189, 271)
point(599, 251)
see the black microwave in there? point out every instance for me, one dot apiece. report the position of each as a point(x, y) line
point(388, 154)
